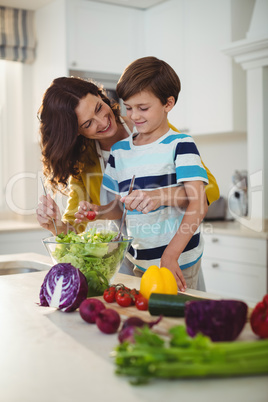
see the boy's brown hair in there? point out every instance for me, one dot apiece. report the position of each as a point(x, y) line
point(149, 74)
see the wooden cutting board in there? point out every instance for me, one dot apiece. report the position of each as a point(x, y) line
point(161, 328)
point(166, 322)
point(125, 312)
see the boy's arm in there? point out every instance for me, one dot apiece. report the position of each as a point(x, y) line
point(192, 219)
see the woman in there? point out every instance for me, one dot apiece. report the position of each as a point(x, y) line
point(78, 126)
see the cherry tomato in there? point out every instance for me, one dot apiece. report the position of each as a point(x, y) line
point(141, 303)
point(91, 215)
point(123, 298)
point(120, 287)
point(135, 293)
point(109, 294)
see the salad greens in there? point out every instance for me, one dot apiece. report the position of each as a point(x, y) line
point(92, 254)
point(182, 356)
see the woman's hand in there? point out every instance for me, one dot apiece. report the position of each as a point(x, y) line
point(172, 264)
point(47, 210)
point(86, 212)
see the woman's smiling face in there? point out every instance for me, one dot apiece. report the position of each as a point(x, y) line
point(95, 118)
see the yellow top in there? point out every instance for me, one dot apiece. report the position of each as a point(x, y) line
point(87, 186)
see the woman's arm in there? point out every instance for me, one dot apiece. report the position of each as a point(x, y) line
point(149, 200)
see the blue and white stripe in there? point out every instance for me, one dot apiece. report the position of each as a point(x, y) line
point(170, 161)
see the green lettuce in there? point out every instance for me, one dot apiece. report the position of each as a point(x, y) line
point(88, 251)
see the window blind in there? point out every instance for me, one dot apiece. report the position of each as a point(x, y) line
point(17, 35)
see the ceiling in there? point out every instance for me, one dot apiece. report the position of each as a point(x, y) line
point(35, 4)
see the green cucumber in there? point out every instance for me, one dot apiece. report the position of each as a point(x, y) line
point(169, 305)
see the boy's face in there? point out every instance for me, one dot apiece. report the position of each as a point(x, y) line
point(147, 113)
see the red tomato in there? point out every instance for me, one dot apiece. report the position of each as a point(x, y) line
point(109, 294)
point(135, 293)
point(120, 287)
point(123, 298)
point(141, 303)
point(91, 215)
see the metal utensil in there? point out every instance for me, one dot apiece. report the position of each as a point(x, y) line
point(119, 236)
point(45, 192)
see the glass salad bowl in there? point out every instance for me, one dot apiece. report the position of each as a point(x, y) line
point(93, 253)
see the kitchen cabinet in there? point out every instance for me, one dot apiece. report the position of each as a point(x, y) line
point(103, 37)
point(192, 36)
point(235, 267)
point(188, 34)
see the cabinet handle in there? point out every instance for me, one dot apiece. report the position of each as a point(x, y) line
point(215, 265)
point(214, 240)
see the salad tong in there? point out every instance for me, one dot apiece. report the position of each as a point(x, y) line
point(119, 236)
point(45, 192)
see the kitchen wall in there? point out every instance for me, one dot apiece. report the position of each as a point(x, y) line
point(223, 155)
point(115, 35)
point(19, 153)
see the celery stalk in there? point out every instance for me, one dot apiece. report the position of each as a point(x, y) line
point(191, 357)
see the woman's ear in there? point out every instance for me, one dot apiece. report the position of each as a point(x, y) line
point(170, 103)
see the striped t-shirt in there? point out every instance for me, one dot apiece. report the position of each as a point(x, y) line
point(170, 161)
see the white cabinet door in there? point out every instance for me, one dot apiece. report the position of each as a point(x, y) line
point(213, 96)
point(237, 249)
point(103, 37)
point(235, 267)
point(235, 280)
point(215, 87)
point(188, 34)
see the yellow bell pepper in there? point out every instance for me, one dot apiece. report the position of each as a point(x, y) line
point(158, 280)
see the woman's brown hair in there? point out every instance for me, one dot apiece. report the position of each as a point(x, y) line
point(150, 74)
point(62, 149)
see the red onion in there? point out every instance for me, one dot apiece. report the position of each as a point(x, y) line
point(90, 308)
point(108, 321)
point(127, 334)
point(138, 322)
point(128, 329)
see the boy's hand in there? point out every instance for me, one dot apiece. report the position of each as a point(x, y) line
point(143, 201)
point(86, 212)
point(174, 267)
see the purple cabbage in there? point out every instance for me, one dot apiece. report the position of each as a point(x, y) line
point(220, 320)
point(64, 287)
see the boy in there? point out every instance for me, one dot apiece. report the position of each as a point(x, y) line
point(159, 157)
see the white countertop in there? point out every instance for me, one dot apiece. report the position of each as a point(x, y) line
point(52, 356)
point(233, 228)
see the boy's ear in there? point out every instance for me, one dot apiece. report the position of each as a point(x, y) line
point(170, 103)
